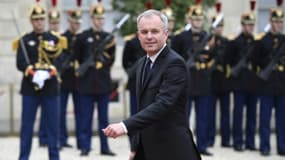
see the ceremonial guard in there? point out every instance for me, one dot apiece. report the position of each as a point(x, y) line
point(69, 83)
point(243, 82)
point(54, 17)
point(53, 25)
point(37, 54)
point(219, 84)
point(94, 83)
point(171, 21)
point(272, 62)
point(189, 45)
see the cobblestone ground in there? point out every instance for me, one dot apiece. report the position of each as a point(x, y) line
point(9, 149)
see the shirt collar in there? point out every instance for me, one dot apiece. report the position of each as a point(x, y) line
point(154, 57)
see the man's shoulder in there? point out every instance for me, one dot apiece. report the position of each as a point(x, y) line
point(129, 37)
point(184, 34)
point(86, 32)
point(28, 36)
point(67, 33)
point(174, 56)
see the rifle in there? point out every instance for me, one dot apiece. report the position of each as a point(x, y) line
point(265, 73)
point(191, 61)
point(99, 48)
point(67, 59)
point(267, 28)
point(22, 44)
point(242, 62)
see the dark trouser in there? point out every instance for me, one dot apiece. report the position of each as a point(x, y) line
point(242, 99)
point(266, 105)
point(63, 129)
point(42, 130)
point(86, 111)
point(50, 111)
point(140, 152)
point(224, 99)
point(201, 108)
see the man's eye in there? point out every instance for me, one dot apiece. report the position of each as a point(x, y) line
point(144, 32)
point(154, 31)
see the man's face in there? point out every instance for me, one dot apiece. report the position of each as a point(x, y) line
point(54, 26)
point(98, 23)
point(74, 26)
point(277, 26)
point(171, 25)
point(248, 28)
point(196, 23)
point(38, 24)
point(151, 34)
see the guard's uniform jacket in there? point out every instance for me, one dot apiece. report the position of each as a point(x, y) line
point(69, 80)
point(32, 42)
point(275, 85)
point(219, 82)
point(185, 44)
point(247, 79)
point(97, 79)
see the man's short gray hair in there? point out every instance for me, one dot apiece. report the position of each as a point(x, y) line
point(152, 12)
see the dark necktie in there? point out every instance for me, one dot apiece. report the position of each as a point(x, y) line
point(147, 68)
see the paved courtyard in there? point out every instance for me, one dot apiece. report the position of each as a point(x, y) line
point(9, 149)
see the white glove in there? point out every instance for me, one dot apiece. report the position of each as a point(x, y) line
point(40, 77)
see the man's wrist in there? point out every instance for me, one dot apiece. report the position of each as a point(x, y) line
point(124, 127)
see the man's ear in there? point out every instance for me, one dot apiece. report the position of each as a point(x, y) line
point(166, 32)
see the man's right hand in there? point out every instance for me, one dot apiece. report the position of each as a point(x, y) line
point(114, 130)
point(29, 71)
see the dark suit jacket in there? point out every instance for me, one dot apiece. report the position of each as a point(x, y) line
point(161, 125)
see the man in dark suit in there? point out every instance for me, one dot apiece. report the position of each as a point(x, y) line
point(160, 126)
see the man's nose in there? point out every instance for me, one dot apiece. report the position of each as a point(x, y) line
point(149, 35)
